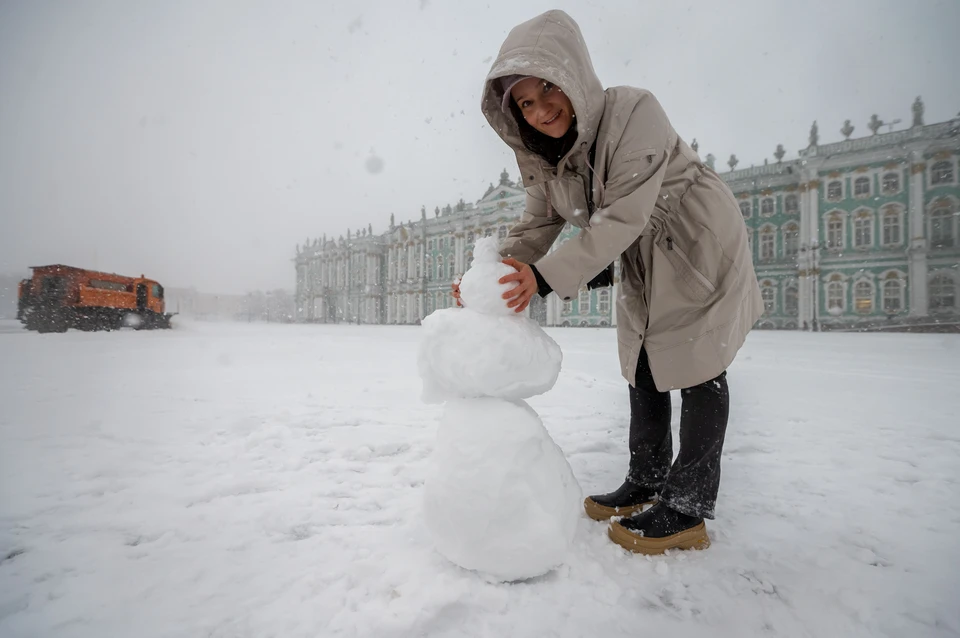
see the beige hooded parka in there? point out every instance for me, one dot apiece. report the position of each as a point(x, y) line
point(688, 291)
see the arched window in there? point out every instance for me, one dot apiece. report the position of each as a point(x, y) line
point(583, 302)
point(603, 302)
point(892, 295)
point(863, 297)
point(429, 267)
point(942, 226)
point(835, 239)
point(835, 297)
point(768, 241)
point(791, 300)
point(567, 307)
point(502, 233)
point(745, 209)
point(769, 294)
point(469, 258)
point(943, 292)
point(892, 221)
point(451, 267)
point(863, 229)
point(791, 240)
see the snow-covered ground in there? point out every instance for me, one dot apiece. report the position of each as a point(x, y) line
point(254, 480)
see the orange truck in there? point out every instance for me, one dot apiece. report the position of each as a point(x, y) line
point(60, 297)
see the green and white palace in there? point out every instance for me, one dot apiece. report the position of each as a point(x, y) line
point(858, 234)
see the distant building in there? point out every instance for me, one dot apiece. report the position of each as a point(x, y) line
point(859, 233)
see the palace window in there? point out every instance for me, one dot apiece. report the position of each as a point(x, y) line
point(861, 187)
point(745, 209)
point(567, 307)
point(769, 295)
point(891, 183)
point(892, 295)
point(791, 240)
point(767, 207)
point(835, 239)
point(943, 292)
point(863, 297)
point(835, 191)
point(767, 244)
point(502, 233)
point(942, 226)
point(583, 302)
point(941, 173)
point(791, 300)
point(863, 230)
point(791, 205)
point(892, 216)
point(835, 296)
point(603, 302)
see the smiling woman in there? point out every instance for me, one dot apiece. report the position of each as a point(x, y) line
point(544, 115)
point(610, 163)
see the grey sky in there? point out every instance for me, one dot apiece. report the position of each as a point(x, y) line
point(199, 141)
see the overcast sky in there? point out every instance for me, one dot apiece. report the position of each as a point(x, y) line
point(198, 141)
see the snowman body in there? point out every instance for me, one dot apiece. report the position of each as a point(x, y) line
point(501, 498)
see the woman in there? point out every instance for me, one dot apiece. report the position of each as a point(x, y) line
point(610, 163)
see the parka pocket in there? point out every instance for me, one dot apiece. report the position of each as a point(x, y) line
point(699, 285)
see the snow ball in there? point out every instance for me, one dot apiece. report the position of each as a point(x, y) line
point(480, 287)
point(374, 164)
point(464, 354)
point(501, 498)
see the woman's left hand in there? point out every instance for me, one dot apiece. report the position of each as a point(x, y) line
point(519, 297)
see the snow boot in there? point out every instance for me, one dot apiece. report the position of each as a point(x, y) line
point(659, 529)
point(627, 500)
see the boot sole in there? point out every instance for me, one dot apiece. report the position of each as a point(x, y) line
point(694, 538)
point(602, 513)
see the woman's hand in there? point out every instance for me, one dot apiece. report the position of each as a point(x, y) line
point(519, 297)
point(455, 287)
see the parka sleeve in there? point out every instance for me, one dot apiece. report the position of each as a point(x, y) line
point(632, 186)
point(531, 237)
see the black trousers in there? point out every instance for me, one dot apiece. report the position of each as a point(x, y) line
point(691, 483)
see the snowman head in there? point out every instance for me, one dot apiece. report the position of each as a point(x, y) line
point(480, 288)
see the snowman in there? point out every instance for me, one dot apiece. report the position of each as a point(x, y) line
point(501, 498)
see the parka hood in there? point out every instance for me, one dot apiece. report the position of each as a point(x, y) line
point(549, 47)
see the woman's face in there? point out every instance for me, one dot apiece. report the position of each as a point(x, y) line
point(545, 106)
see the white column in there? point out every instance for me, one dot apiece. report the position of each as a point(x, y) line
point(916, 227)
point(814, 205)
point(614, 295)
point(423, 260)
